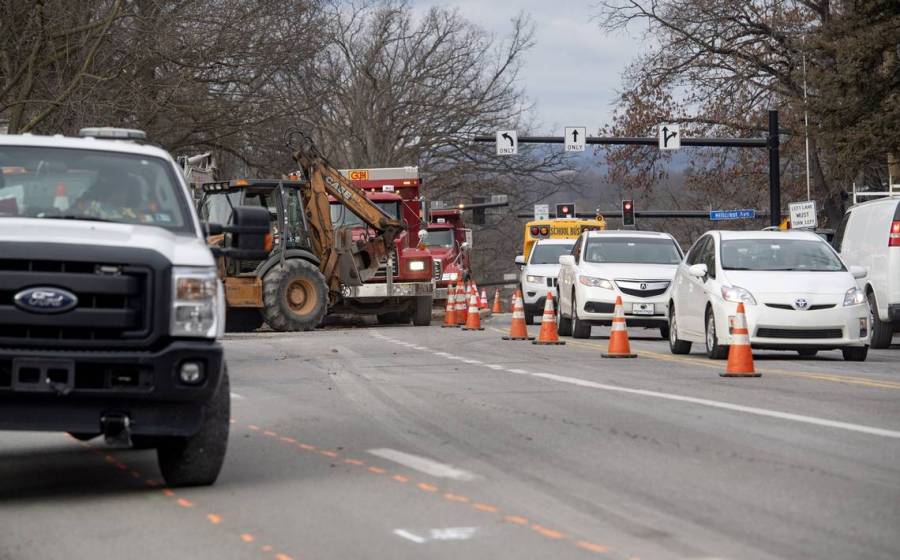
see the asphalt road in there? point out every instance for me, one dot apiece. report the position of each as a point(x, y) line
point(403, 442)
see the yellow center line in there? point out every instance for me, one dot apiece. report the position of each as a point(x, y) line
point(834, 378)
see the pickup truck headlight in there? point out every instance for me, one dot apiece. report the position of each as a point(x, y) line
point(416, 266)
point(854, 296)
point(736, 294)
point(534, 279)
point(593, 282)
point(194, 302)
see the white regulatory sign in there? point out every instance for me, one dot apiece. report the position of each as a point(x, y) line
point(803, 214)
point(541, 211)
point(507, 143)
point(575, 136)
point(669, 137)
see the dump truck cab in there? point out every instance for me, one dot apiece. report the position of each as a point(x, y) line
point(449, 242)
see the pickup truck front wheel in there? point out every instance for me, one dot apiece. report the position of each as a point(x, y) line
point(197, 460)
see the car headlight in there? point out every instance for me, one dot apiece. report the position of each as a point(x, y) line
point(416, 266)
point(534, 279)
point(595, 282)
point(736, 294)
point(194, 302)
point(854, 296)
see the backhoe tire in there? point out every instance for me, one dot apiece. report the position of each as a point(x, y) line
point(196, 460)
point(295, 297)
point(243, 319)
point(422, 313)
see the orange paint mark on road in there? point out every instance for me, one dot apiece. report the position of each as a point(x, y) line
point(109, 458)
point(122, 466)
point(485, 507)
point(455, 498)
point(353, 462)
point(306, 446)
point(247, 537)
point(287, 439)
point(136, 474)
point(266, 548)
point(254, 428)
point(592, 546)
point(213, 518)
point(328, 453)
point(400, 478)
point(185, 503)
point(428, 487)
point(151, 483)
point(269, 433)
point(516, 520)
point(547, 532)
point(283, 557)
point(168, 492)
point(377, 470)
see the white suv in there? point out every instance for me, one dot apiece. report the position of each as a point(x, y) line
point(869, 236)
point(539, 275)
point(637, 266)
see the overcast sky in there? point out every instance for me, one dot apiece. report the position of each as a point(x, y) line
point(573, 73)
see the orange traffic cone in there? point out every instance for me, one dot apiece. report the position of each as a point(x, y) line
point(498, 307)
point(619, 347)
point(450, 310)
point(473, 322)
point(740, 356)
point(61, 200)
point(461, 311)
point(548, 334)
point(482, 303)
point(517, 329)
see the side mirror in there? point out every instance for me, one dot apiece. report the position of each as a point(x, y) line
point(520, 260)
point(423, 236)
point(698, 270)
point(464, 246)
point(210, 229)
point(859, 271)
point(567, 260)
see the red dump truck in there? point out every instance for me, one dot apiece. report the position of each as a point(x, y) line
point(449, 242)
point(402, 290)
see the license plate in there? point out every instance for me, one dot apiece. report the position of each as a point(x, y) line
point(642, 309)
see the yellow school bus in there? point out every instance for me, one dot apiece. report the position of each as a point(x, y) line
point(559, 228)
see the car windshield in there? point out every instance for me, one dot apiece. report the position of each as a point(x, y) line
point(439, 238)
point(636, 250)
point(60, 183)
point(546, 253)
point(343, 217)
point(779, 254)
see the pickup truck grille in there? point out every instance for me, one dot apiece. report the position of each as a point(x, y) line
point(113, 301)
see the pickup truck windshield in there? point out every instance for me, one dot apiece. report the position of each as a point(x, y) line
point(71, 184)
point(779, 254)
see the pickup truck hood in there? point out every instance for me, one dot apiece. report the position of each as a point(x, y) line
point(180, 250)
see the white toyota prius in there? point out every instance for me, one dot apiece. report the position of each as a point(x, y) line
point(797, 294)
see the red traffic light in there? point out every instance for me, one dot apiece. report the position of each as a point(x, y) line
point(627, 205)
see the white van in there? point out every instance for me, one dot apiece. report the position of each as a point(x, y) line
point(869, 236)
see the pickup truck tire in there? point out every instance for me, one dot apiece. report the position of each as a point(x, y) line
point(196, 460)
point(422, 313)
point(243, 319)
point(295, 297)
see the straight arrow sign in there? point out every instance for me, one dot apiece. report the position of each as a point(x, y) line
point(669, 137)
point(575, 138)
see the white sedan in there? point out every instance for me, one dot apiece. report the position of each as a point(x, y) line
point(637, 266)
point(797, 295)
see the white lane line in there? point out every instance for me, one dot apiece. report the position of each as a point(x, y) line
point(472, 362)
point(727, 406)
point(419, 348)
point(410, 536)
point(519, 371)
point(494, 366)
point(423, 464)
point(237, 397)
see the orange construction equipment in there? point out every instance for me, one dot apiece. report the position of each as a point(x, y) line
point(473, 322)
point(619, 347)
point(482, 303)
point(61, 200)
point(548, 334)
point(517, 329)
point(498, 307)
point(740, 356)
point(461, 311)
point(450, 311)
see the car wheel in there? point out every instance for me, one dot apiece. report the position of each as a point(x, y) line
point(714, 350)
point(564, 328)
point(807, 353)
point(580, 329)
point(882, 332)
point(664, 332)
point(676, 345)
point(855, 353)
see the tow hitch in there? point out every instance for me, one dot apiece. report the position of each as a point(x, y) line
point(116, 429)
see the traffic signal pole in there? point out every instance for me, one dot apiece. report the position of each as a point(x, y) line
point(770, 142)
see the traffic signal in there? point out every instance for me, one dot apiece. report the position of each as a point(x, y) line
point(627, 212)
point(565, 210)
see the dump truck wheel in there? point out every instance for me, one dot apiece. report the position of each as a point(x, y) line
point(243, 319)
point(295, 297)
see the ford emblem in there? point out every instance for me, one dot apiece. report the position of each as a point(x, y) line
point(45, 300)
point(801, 303)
